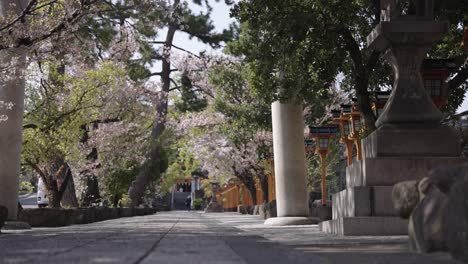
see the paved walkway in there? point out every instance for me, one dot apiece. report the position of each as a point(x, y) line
point(194, 237)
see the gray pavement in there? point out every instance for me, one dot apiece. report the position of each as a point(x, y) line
point(28, 200)
point(194, 237)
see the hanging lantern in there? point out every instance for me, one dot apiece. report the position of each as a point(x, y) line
point(323, 143)
point(381, 99)
point(347, 128)
point(356, 125)
point(336, 113)
point(346, 108)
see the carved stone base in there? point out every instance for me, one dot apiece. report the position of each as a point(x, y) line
point(366, 226)
point(412, 140)
point(290, 220)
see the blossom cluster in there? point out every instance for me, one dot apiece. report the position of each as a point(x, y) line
point(5, 106)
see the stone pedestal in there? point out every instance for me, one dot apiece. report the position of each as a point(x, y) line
point(409, 141)
point(290, 170)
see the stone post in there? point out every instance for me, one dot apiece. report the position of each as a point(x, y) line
point(290, 170)
point(11, 116)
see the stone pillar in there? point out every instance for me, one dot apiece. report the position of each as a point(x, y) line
point(290, 170)
point(11, 117)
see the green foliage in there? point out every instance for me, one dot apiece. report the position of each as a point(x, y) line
point(207, 188)
point(137, 72)
point(182, 164)
point(26, 187)
point(314, 173)
point(118, 180)
point(189, 100)
point(245, 115)
point(197, 203)
point(125, 201)
point(297, 48)
point(55, 113)
point(283, 65)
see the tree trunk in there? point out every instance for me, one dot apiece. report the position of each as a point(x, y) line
point(246, 177)
point(59, 173)
point(253, 192)
point(263, 180)
point(153, 163)
point(362, 82)
point(53, 194)
point(69, 198)
point(264, 187)
point(91, 193)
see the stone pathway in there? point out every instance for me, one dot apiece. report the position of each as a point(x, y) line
point(194, 237)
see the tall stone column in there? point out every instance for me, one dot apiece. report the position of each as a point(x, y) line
point(290, 170)
point(11, 96)
point(11, 117)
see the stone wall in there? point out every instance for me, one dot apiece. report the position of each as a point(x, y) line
point(51, 217)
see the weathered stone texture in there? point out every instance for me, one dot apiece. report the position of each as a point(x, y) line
point(3, 215)
point(405, 196)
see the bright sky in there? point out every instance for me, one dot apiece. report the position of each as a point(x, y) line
point(464, 106)
point(221, 20)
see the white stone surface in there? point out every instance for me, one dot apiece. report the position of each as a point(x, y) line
point(291, 220)
point(289, 156)
point(11, 92)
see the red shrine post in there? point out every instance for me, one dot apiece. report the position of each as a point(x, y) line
point(340, 119)
point(355, 120)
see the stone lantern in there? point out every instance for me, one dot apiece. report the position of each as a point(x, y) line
point(405, 39)
point(410, 140)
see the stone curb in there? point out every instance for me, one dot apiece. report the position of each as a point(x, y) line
point(55, 217)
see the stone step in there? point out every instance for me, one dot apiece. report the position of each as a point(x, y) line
point(363, 201)
point(366, 226)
